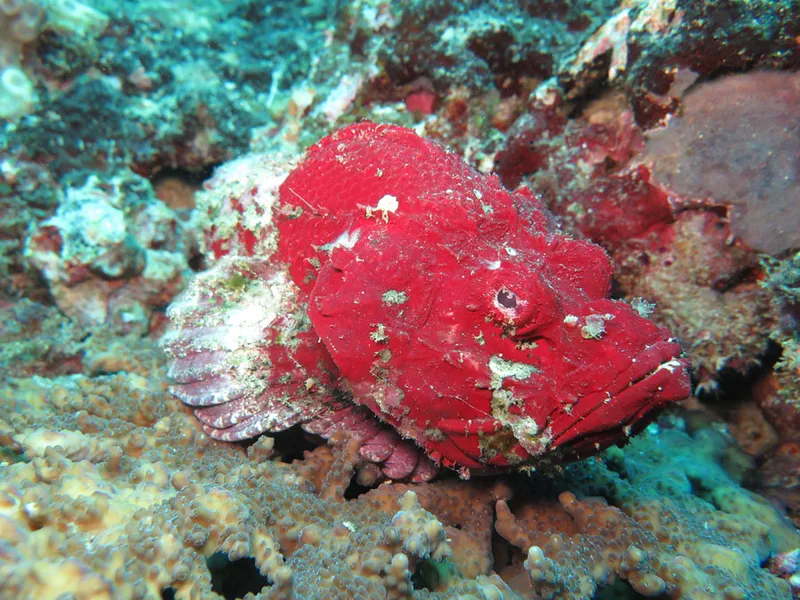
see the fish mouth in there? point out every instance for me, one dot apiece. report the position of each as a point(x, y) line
point(665, 355)
point(656, 376)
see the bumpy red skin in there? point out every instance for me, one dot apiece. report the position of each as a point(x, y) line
point(456, 240)
point(448, 307)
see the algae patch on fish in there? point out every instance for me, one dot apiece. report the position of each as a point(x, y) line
point(394, 297)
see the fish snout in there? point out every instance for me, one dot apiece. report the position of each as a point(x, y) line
point(621, 370)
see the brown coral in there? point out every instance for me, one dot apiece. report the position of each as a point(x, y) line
point(101, 484)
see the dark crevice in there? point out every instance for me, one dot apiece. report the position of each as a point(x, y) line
point(197, 263)
point(354, 490)
point(234, 579)
point(622, 590)
point(432, 575)
point(194, 177)
point(168, 593)
point(503, 553)
point(293, 443)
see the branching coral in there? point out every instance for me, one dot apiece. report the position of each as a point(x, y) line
point(676, 526)
point(135, 497)
point(108, 489)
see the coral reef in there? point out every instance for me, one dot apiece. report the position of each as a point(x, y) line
point(20, 23)
point(778, 393)
point(658, 47)
point(681, 251)
point(153, 506)
point(140, 141)
point(667, 543)
point(111, 253)
point(109, 488)
point(477, 44)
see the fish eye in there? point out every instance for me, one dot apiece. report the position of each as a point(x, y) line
point(506, 299)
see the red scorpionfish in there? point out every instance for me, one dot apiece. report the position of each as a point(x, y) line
point(385, 287)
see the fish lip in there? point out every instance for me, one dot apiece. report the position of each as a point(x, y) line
point(656, 377)
point(671, 366)
point(659, 397)
point(663, 355)
point(666, 354)
point(657, 361)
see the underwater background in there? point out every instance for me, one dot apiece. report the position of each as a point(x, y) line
point(666, 131)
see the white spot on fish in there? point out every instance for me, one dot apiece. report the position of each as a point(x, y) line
point(387, 204)
point(345, 240)
point(670, 365)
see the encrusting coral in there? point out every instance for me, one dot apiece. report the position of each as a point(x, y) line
point(111, 253)
point(109, 489)
point(651, 528)
point(20, 23)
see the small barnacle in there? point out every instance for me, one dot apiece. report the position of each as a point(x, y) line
point(291, 211)
point(595, 326)
point(434, 434)
point(235, 283)
point(379, 336)
point(384, 355)
point(387, 204)
point(527, 345)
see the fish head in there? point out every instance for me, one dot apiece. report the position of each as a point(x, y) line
point(491, 350)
